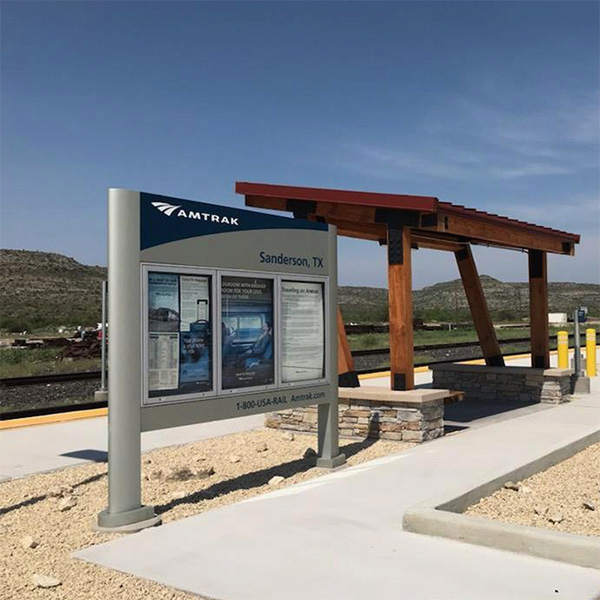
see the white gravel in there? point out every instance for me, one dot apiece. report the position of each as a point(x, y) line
point(558, 498)
point(30, 508)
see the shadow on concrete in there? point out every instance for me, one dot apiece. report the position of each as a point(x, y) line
point(257, 479)
point(468, 411)
point(99, 456)
point(449, 428)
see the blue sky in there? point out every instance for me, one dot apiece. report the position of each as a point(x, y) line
point(489, 104)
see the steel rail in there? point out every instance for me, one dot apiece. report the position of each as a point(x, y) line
point(91, 375)
point(49, 379)
point(425, 347)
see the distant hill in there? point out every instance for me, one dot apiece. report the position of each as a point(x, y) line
point(445, 300)
point(43, 288)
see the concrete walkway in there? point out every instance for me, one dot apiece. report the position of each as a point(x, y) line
point(340, 536)
point(41, 448)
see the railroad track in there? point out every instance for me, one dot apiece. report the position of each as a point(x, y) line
point(426, 347)
point(13, 382)
point(49, 379)
point(90, 375)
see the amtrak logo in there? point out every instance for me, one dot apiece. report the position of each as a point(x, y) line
point(165, 208)
point(170, 210)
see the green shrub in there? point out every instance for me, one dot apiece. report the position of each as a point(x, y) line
point(16, 356)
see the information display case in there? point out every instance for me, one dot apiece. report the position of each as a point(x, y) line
point(214, 313)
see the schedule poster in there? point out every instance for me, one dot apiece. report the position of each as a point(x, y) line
point(179, 334)
point(163, 361)
point(195, 299)
point(247, 332)
point(302, 331)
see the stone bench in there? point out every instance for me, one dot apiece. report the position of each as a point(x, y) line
point(411, 416)
point(521, 384)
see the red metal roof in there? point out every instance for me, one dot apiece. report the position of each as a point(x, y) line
point(424, 204)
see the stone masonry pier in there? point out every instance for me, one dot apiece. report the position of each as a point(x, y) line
point(524, 384)
point(408, 416)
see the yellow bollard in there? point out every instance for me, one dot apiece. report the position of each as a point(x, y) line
point(563, 349)
point(590, 352)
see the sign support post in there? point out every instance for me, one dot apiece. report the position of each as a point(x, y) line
point(329, 455)
point(125, 511)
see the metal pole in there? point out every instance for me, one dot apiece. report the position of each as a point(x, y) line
point(103, 376)
point(329, 455)
point(125, 511)
point(577, 356)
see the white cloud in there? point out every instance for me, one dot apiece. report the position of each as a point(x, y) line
point(468, 138)
point(530, 169)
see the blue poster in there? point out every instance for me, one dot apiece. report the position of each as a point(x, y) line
point(194, 358)
point(247, 332)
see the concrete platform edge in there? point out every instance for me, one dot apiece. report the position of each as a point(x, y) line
point(442, 518)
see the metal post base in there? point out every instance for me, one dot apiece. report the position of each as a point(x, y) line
point(101, 395)
point(580, 385)
point(127, 522)
point(331, 463)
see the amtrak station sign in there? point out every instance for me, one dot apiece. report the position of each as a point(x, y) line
point(214, 313)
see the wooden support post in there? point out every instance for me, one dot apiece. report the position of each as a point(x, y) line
point(401, 314)
point(347, 375)
point(538, 309)
point(479, 309)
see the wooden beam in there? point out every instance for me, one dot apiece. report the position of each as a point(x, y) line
point(503, 235)
point(401, 314)
point(270, 203)
point(349, 212)
point(357, 230)
point(538, 309)
point(428, 240)
point(454, 222)
point(347, 375)
point(479, 308)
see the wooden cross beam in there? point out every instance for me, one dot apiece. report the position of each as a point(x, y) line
point(479, 309)
point(347, 375)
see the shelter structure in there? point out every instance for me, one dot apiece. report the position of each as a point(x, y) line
point(406, 222)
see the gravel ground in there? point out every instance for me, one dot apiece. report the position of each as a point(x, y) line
point(553, 499)
point(243, 465)
point(28, 397)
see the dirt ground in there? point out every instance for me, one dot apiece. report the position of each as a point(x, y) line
point(243, 465)
point(566, 497)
